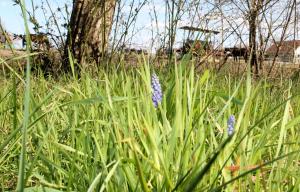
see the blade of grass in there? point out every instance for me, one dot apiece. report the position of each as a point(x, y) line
point(140, 172)
point(247, 133)
point(22, 161)
point(95, 183)
point(108, 177)
point(199, 176)
point(219, 188)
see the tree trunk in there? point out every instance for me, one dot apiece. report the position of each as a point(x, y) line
point(89, 29)
point(252, 41)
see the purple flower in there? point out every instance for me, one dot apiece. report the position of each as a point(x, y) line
point(230, 125)
point(156, 90)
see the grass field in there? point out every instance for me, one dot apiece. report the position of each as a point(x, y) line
point(102, 132)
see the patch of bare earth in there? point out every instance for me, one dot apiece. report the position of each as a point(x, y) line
point(6, 53)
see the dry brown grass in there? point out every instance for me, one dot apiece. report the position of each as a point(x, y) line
point(6, 53)
point(46, 60)
point(279, 71)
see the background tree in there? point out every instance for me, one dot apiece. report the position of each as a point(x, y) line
point(252, 11)
point(254, 7)
point(89, 29)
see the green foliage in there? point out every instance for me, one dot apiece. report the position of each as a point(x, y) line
point(103, 133)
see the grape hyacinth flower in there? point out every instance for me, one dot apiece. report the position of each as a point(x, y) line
point(230, 125)
point(156, 90)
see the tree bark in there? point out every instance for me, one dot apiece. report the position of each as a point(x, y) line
point(89, 29)
point(252, 41)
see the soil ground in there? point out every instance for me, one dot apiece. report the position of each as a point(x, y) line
point(6, 53)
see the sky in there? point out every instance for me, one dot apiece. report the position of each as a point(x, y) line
point(142, 31)
point(11, 16)
point(12, 20)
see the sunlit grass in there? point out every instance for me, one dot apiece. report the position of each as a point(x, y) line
point(103, 132)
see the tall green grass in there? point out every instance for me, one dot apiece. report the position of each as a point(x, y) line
point(102, 133)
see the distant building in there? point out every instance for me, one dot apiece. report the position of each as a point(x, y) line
point(289, 51)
